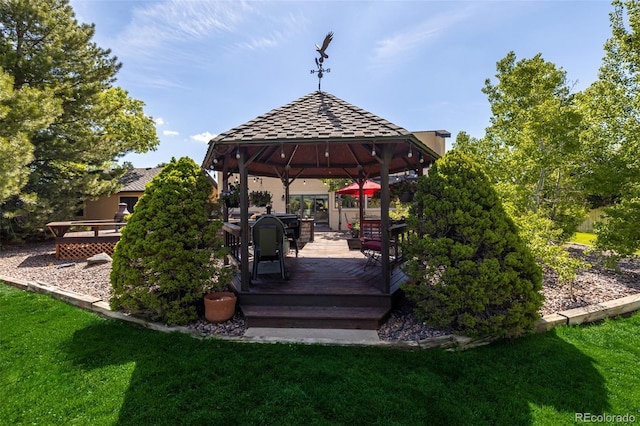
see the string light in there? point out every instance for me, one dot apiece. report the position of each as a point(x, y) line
point(282, 152)
point(373, 151)
point(410, 154)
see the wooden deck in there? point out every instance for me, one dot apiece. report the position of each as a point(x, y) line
point(328, 287)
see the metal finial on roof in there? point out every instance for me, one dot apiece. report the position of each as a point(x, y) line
point(323, 56)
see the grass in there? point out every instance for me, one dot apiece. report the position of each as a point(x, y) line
point(62, 365)
point(588, 239)
point(583, 238)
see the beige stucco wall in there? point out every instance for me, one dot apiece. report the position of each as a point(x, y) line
point(105, 207)
point(432, 140)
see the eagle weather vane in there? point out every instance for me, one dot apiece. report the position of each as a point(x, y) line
point(323, 56)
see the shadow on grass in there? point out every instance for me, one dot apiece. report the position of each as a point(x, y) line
point(181, 380)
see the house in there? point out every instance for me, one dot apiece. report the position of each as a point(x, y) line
point(133, 183)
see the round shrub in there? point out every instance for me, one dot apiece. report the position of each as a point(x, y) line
point(468, 268)
point(168, 255)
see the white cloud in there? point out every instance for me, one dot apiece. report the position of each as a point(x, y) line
point(204, 137)
point(170, 133)
point(155, 25)
point(404, 44)
point(159, 121)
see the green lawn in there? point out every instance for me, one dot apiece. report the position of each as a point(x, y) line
point(588, 239)
point(62, 365)
point(583, 238)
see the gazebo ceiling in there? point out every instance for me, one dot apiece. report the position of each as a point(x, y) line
point(319, 136)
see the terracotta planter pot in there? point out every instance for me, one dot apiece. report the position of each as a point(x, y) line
point(219, 306)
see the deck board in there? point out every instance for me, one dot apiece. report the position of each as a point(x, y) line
point(324, 266)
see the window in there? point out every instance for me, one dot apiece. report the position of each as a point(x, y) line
point(313, 206)
point(131, 202)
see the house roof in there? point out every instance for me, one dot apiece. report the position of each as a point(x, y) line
point(135, 180)
point(318, 136)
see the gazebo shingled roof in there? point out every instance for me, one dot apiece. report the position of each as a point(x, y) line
point(317, 136)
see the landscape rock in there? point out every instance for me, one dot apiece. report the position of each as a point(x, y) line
point(98, 259)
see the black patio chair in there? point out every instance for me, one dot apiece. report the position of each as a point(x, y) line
point(268, 243)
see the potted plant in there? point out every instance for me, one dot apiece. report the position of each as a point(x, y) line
point(260, 198)
point(231, 197)
point(354, 242)
point(355, 229)
point(403, 190)
point(219, 306)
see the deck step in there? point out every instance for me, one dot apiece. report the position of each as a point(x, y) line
point(366, 318)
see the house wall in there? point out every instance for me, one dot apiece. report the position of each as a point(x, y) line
point(432, 140)
point(105, 207)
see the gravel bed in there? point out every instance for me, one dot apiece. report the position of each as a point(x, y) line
point(37, 262)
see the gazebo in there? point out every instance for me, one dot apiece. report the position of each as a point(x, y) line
point(319, 136)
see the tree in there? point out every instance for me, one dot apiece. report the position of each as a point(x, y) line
point(165, 260)
point(21, 113)
point(468, 267)
point(611, 106)
point(44, 48)
point(533, 154)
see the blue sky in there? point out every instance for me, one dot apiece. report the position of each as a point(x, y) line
point(203, 67)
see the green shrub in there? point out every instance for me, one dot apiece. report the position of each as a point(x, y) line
point(468, 267)
point(167, 257)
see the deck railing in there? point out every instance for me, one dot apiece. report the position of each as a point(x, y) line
point(232, 239)
point(398, 234)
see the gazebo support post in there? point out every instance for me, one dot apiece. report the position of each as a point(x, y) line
point(286, 182)
point(387, 155)
point(245, 277)
point(225, 187)
point(361, 180)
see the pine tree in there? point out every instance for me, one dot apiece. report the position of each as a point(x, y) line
point(468, 267)
point(166, 259)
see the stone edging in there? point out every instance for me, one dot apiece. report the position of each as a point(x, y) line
point(582, 315)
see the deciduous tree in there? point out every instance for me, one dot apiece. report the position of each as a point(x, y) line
point(533, 154)
point(611, 106)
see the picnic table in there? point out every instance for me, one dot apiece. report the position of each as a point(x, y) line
point(79, 244)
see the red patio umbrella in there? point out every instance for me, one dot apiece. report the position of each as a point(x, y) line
point(368, 189)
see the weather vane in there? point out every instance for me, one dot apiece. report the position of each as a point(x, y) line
point(323, 56)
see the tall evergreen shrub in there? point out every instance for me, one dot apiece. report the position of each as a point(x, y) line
point(168, 255)
point(468, 267)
